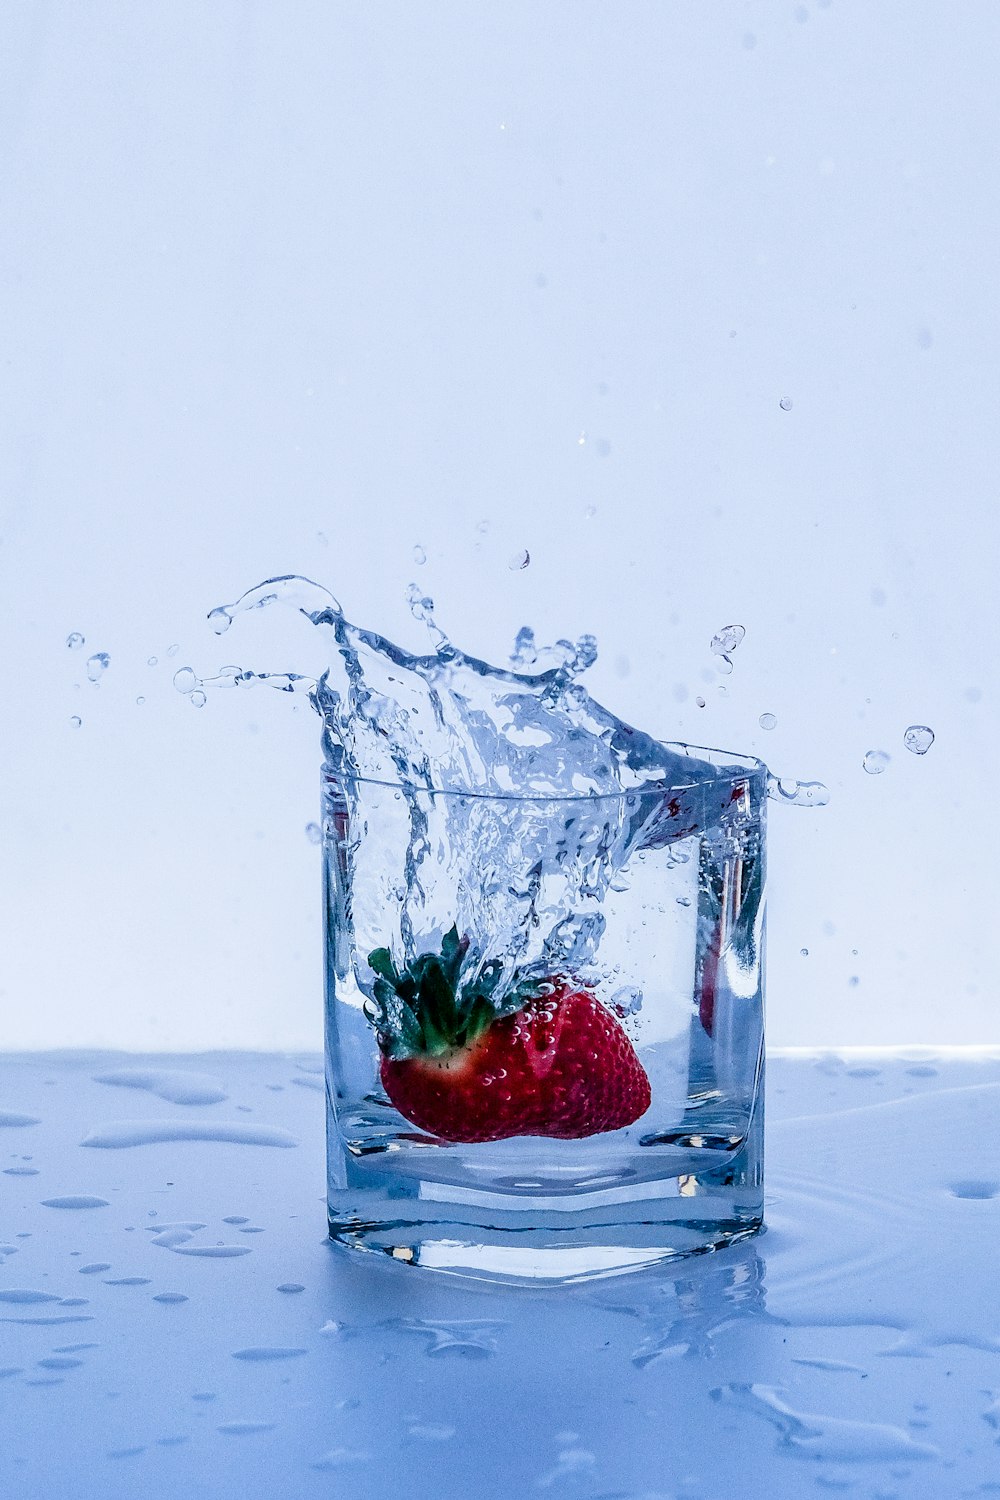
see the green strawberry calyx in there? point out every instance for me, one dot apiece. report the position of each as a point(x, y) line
point(428, 1009)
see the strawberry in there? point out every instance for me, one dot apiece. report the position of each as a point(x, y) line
point(466, 1069)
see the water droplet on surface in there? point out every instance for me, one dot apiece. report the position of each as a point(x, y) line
point(767, 721)
point(314, 833)
point(785, 403)
point(918, 739)
point(519, 560)
point(97, 665)
point(875, 762)
point(419, 556)
point(75, 721)
point(125, 1133)
point(76, 1200)
point(727, 639)
point(174, 1084)
point(974, 1188)
point(262, 1353)
point(74, 640)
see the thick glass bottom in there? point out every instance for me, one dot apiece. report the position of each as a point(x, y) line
point(534, 1238)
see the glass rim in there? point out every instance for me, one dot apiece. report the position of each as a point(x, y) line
point(735, 768)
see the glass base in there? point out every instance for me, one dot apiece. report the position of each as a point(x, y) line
point(528, 1238)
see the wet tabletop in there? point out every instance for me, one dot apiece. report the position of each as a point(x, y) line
point(173, 1321)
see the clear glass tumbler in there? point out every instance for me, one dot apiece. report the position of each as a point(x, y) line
point(545, 1022)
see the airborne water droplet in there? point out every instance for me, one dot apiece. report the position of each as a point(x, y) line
point(727, 640)
point(785, 403)
point(74, 640)
point(314, 833)
point(220, 620)
point(700, 702)
point(185, 680)
point(918, 738)
point(798, 793)
point(419, 556)
point(198, 698)
point(875, 762)
point(97, 665)
point(767, 721)
point(519, 560)
point(75, 721)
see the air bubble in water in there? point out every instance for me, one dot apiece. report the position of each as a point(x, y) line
point(419, 556)
point(519, 560)
point(798, 793)
point(918, 738)
point(875, 762)
point(785, 403)
point(314, 833)
point(198, 698)
point(97, 665)
point(76, 721)
point(727, 639)
point(767, 721)
point(74, 640)
point(185, 680)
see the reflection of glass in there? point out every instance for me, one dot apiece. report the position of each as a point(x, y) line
point(526, 1091)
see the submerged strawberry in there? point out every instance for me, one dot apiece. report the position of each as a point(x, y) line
point(459, 1067)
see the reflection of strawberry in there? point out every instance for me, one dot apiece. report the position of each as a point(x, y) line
point(559, 1065)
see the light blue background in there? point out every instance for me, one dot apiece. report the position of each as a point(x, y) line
point(378, 273)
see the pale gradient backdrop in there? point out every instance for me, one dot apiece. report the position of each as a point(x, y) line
point(299, 287)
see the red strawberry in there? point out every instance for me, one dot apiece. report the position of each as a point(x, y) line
point(560, 1065)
